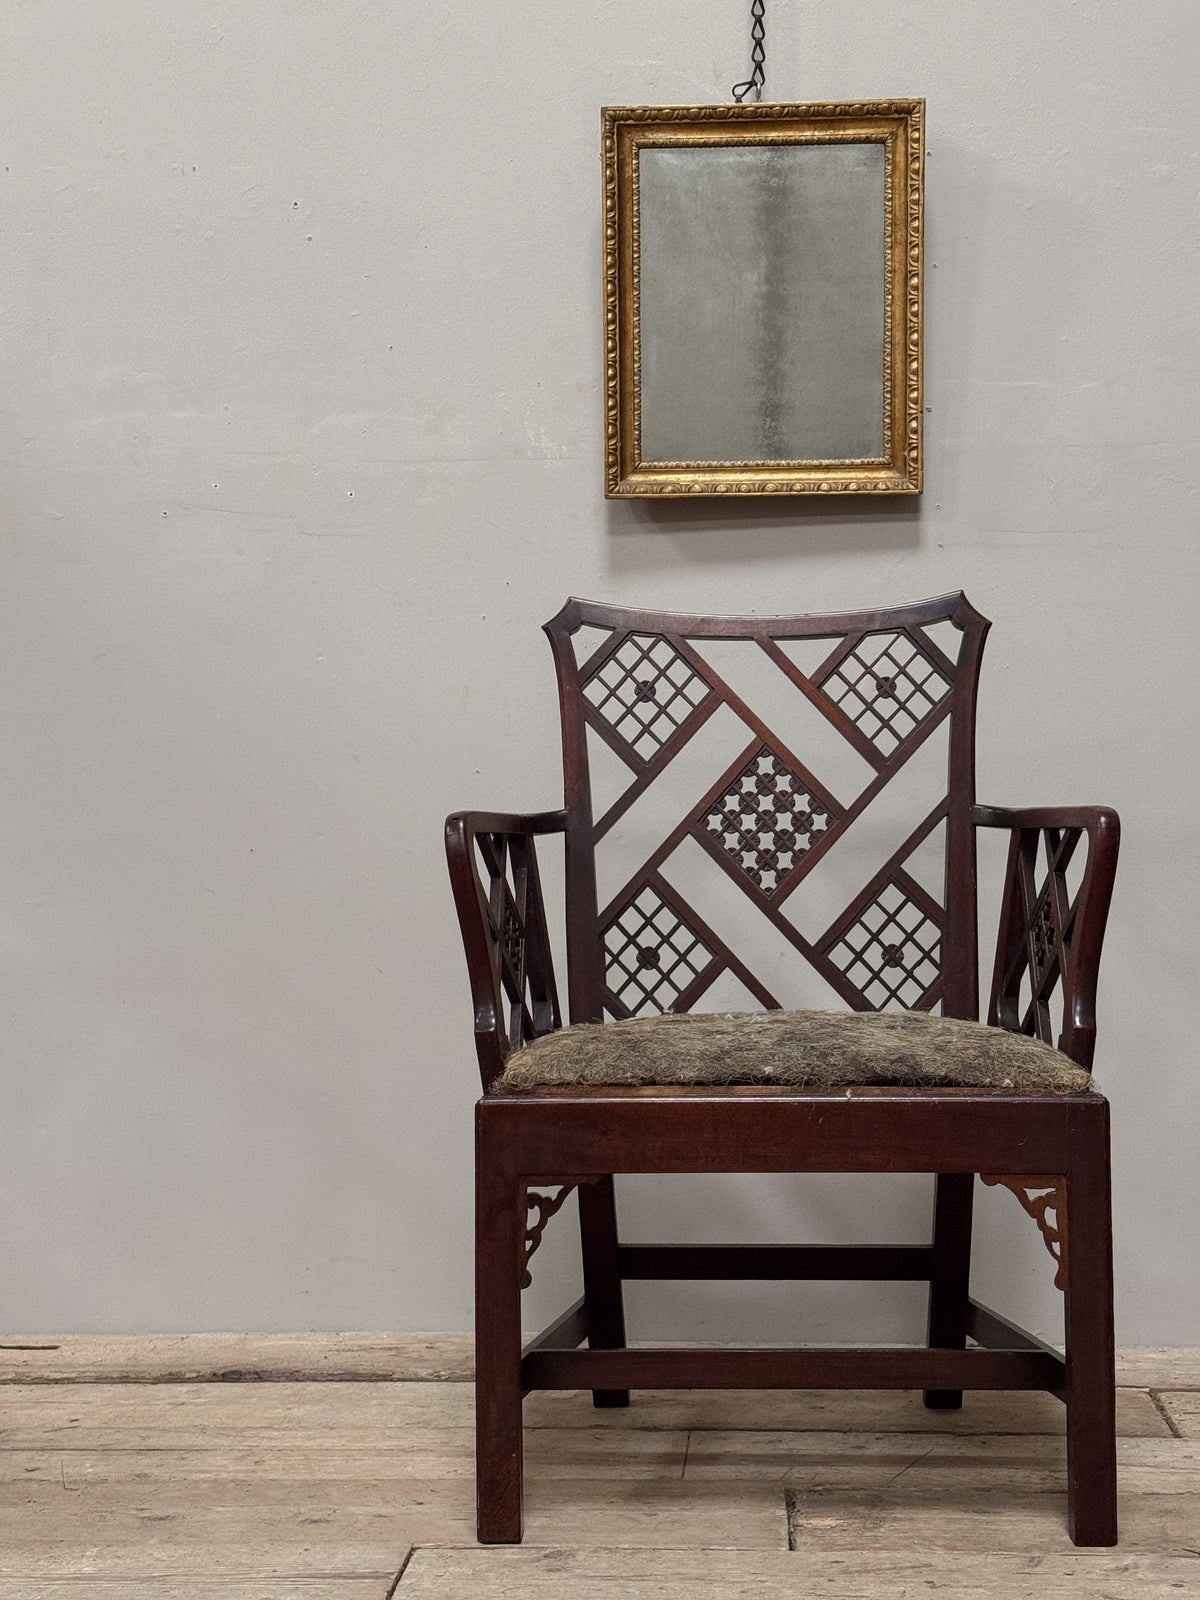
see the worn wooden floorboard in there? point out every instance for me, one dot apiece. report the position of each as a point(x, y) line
point(358, 1357)
point(168, 1587)
point(287, 1490)
point(835, 1410)
point(1182, 1410)
point(1003, 1463)
point(233, 1357)
point(1034, 1461)
point(421, 1453)
point(521, 1574)
point(139, 1537)
point(197, 1408)
point(168, 1558)
point(1159, 1367)
point(193, 1416)
point(207, 1529)
point(948, 1518)
point(120, 1525)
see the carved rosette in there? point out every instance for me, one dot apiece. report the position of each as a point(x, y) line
point(1039, 1195)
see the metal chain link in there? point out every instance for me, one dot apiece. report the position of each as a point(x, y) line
point(758, 55)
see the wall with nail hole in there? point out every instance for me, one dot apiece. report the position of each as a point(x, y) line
point(300, 441)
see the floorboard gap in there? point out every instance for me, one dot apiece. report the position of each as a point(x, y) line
point(403, 1569)
point(1160, 1406)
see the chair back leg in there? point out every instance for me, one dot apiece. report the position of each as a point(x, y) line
point(949, 1285)
point(602, 1277)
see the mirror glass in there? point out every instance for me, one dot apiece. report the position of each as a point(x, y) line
point(762, 295)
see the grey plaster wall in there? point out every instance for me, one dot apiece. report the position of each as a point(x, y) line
point(300, 442)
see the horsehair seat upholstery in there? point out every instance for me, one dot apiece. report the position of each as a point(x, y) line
point(793, 1049)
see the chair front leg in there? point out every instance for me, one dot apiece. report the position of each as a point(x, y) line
point(602, 1277)
point(949, 1286)
point(1091, 1375)
point(499, 1259)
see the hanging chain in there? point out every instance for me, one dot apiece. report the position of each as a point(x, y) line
point(758, 55)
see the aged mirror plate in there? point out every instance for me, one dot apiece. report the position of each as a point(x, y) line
point(763, 298)
point(762, 325)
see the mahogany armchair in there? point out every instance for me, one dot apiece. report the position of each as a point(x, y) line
point(651, 699)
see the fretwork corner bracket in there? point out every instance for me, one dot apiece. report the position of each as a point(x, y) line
point(540, 1208)
point(1040, 1194)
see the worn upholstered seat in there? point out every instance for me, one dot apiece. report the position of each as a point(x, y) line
point(798, 1049)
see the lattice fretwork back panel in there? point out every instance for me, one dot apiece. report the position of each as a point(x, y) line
point(652, 694)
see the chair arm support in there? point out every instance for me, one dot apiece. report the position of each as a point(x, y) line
point(1045, 936)
point(493, 865)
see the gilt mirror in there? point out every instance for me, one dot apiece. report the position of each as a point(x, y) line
point(763, 298)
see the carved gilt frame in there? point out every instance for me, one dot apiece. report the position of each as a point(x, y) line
point(899, 126)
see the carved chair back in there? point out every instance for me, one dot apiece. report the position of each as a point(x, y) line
point(844, 815)
point(656, 691)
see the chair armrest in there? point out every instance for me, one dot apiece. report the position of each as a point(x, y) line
point(1046, 935)
point(1101, 819)
point(525, 823)
point(493, 865)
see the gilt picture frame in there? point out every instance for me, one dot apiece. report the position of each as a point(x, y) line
point(763, 298)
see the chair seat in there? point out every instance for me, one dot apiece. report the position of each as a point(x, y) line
point(800, 1049)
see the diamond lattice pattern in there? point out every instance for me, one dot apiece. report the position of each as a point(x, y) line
point(766, 820)
point(645, 691)
point(1042, 930)
point(886, 687)
point(892, 952)
point(651, 955)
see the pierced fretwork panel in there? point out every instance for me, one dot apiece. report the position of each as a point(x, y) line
point(1043, 934)
point(887, 687)
point(892, 951)
point(652, 955)
point(645, 692)
point(516, 935)
point(772, 745)
point(512, 938)
point(766, 820)
point(1039, 924)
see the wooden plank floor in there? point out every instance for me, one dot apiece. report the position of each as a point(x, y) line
point(159, 1470)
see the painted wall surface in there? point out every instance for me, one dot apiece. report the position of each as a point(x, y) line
point(300, 443)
